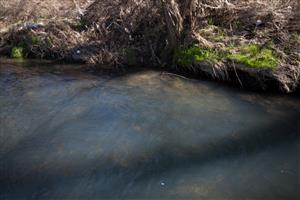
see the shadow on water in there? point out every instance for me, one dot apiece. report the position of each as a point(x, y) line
point(253, 142)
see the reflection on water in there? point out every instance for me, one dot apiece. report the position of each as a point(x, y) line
point(70, 134)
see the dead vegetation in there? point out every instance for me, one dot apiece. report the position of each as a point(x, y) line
point(150, 32)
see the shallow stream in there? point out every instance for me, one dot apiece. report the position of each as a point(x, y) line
point(69, 133)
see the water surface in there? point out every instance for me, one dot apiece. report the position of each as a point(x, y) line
point(66, 133)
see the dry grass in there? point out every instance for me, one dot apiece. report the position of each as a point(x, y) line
point(24, 10)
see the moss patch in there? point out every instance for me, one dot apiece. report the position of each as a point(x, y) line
point(255, 57)
point(188, 56)
point(17, 52)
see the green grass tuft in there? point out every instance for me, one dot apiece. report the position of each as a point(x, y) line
point(213, 33)
point(35, 40)
point(210, 21)
point(298, 37)
point(188, 56)
point(17, 52)
point(255, 57)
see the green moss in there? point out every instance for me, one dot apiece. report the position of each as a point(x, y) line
point(255, 57)
point(252, 55)
point(188, 56)
point(17, 52)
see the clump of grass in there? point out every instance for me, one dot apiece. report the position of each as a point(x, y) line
point(80, 25)
point(213, 33)
point(35, 40)
point(237, 24)
point(188, 56)
point(297, 37)
point(210, 21)
point(17, 52)
point(255, 57)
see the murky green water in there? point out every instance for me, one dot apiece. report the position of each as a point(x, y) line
point(70, 134)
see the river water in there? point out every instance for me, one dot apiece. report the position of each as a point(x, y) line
point(70, 133)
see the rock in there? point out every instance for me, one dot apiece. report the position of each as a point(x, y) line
point(259, 22)
point(31, 25)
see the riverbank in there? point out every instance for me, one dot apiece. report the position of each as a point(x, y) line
point(254, 45)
